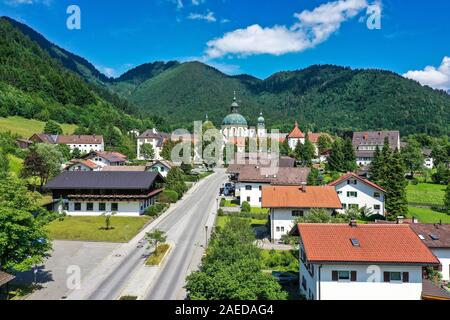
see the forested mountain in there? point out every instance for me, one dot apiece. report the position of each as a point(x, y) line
point(321, 97)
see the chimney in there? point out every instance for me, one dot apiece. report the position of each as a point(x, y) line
point(400, 219)
point(353, 224)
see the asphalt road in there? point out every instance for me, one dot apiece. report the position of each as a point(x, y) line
point(185, 227)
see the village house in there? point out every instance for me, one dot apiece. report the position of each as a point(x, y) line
point(296, 136)
point(362, 262)
point(253, 178)
point(365, 144)
point(428, 161)
point(106, 158)
point(155, 139)
point(81, 165)
point(161, 166)
point(93, 193)
point(287, 203)
point(84, 143)
point(437, 238)
point(356, 192)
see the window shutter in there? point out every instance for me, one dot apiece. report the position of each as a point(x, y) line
point(334, 275)
point(406, 277)
point(353, 276)
point(387, 277)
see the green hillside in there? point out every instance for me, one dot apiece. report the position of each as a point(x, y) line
point(27, 127)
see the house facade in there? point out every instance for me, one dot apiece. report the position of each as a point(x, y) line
point(295, 137)
point(84, 143)
point(366, 143)
point(106, 159)
point(161, 166)
point(98, 192)
point(361, 262)
point(437, 238)
point(153, 137)
point(82, 165)
point(287, 203)
point(356, 192)
point(253, 178)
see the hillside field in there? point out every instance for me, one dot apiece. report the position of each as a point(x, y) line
point(27, 127)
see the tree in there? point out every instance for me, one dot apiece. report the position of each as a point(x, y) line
point(318, 216)
point(166, 151)
point(4, 164)
point(51, 127)
point(42, 161)
point(155, 237)
point(147, 151)
point(376, 167)
point(315, 178)
point(442, 174)
point(336, 160)
point(65, 151)
point(307, 152)
point(349, 155)
point(395, 186)
point(175, 181)
point(447, 198)
point(23, 240)
point(412, 156)
point(76, 153)
point(246, 207)
point(108, 216)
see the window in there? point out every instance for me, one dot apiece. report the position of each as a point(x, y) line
point(352, 182)
point(114, 206)
point(339, 192)
point(353, 206)
point(344, 206)
point(90, 206)
point(77, 206)
point(248, 199)
point(344, 275)
point(352, 194)
point(260, 188)
point(282, 229)
point(278, 229)
point(377, 207)
point(248, 188)
point(66, 206)
point(260, 199)
point(376, 194)
point(298, 213)
point(304, 283)
point(102, 206)
point(396, 276)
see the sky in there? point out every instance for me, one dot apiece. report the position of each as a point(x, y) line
point(256, 37)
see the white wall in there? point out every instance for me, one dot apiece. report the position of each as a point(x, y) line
point(255, 194)
point(364, 288)
point(125, 208)
point(154, 143)
point(444, 257)
point(429, 163)
point(79, 167)
point(292, 142)
point(161, 169)
point(86, 148)
point(282, 221)
point(365, 196)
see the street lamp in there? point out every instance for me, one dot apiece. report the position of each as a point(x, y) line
point(206, 238)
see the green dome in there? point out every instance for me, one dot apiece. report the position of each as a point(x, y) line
point(261, 119)
point(234, 119)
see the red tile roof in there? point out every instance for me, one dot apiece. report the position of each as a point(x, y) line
point(296, 133)
point(396, 244)
point(314, 137)
point(352, 175)
point(300, 197)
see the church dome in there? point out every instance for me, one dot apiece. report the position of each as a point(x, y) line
point(261, 119)
point(234, 119)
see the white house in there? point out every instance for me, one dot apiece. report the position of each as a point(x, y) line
point(287, 203)
point(92, 193)
point(295, 137)
point(437, 238)
point(161, 166)
point(362, 262)
point(81, 165)
point(155, 139)
point(356, 192)
point(253, 178)
point(84, 143)
point(428, 158)
point(105, 158)
point(366, 143)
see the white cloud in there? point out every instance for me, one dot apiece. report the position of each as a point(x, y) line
point(313, 27)
point(209, 16)
point(107, 71)
point(438, 78)
point(20, 2)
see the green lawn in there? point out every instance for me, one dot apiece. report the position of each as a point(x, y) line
point(426, 215)
point(221, 221)
point(91, 228)
point(259, 210)
point(231, 203)
point(426, 194)
point(27, 127)
point(15, 164)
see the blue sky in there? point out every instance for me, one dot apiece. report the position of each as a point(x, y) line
point(258, 37)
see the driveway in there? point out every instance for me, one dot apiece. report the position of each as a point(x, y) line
point(52, 276)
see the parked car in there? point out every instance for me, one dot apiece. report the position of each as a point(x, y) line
point(285, 276)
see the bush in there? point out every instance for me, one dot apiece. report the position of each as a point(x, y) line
point(222, 202)
point(155, 210)
point(168, 196)
point(220, 213)
point(246, 207)
point(415, 181)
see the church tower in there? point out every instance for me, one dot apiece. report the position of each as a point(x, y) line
point(261, 127)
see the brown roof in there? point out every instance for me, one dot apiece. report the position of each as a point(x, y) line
point(440, 233)
point(376, 138)
point(125, 168)
point(5, 278)
point(88, 163)
point(431, 291)
point(296, 133)
point(166, 163)
point(300, 197)
point(378, 243)
point(314, 137)
point(355, 176)
point(282, 176)
point(42, 137)
point(79, 139)
point(113, 157)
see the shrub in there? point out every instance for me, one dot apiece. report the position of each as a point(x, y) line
point(220, 213)
point(155, 210)
point(168, 196)
point(415, 181)
point(246, 207)
point(222, 202)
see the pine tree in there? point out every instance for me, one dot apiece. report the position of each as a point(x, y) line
point(4, 164)
point(308, 151)
point(386, 155)
point(375, 169)
point(447, 199)
point(51, 127)
point(349, 155)
point(336, 159)
point(395, 186)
